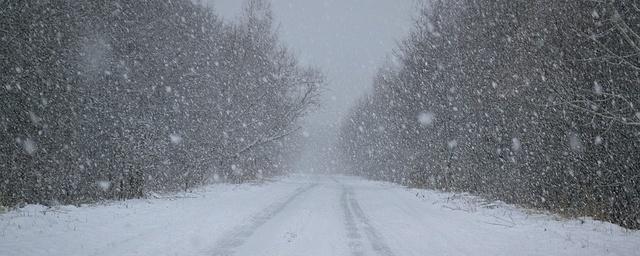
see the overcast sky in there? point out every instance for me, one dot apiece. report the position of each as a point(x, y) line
point(347, 39)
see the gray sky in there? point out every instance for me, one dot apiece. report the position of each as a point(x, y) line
point(347, 39)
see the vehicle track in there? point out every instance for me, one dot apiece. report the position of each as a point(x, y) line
point(237, 236)
point(355, 222)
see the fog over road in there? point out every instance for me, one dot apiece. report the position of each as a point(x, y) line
point(347, 39)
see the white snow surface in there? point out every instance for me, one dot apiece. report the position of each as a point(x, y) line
point(306, 215)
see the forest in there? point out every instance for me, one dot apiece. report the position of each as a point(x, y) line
point(114, 99)
point(534, 103)
point(319, 127)
point(530, 103)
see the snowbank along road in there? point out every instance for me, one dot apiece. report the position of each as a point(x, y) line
point(306, 215)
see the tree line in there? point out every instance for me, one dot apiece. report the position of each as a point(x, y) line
point(531, 102)
point(111, 99)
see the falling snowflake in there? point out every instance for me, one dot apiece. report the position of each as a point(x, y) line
point(426, 118)
point(597, 140)
point(34, 118)
point(175, 139)
point(104, 185)
point(575, 142)
point(515, 144)
point(597, 88)
point(29, 146)
point(452, 144)
point(236, 170)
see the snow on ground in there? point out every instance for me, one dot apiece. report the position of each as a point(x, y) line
point(184, 225)
point(306, 215)
point(424, 222)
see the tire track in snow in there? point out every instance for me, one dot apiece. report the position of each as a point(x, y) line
point(353, 233)
point(353, 215)
point(238, 235)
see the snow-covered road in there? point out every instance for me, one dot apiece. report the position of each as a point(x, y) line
point(306, 215)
